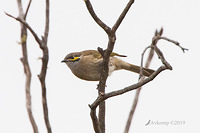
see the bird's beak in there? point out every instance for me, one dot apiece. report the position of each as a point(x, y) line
point(63, 61)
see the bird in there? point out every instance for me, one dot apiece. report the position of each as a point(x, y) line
point(87, 64)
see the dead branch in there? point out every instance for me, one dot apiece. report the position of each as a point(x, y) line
point(106, 28)
point(122, 15)
point(137, 94)
point(42, 75)
point(27, 26)
point(27, 9)
point(26, 66)
point(127, 89)
point(43, 45)
point(106, 54)
point(133, 108)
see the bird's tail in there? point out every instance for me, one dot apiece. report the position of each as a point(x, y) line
point(146, 71)
point(133, 68)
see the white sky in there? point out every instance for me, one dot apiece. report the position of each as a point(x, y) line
point(172, 96)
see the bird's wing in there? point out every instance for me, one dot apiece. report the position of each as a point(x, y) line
point(96, 54)
point(116, 54)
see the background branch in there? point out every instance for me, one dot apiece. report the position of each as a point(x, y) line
point(137, 94)
point(43, 45)
point(26, 66)
point(42, 75)
point(28, 27)
point(27, 9)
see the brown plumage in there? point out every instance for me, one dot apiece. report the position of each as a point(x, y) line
point(86, 65)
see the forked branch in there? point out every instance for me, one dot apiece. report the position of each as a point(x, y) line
point(106, 54)
point(43, 45)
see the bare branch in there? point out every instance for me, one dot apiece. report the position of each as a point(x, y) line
point(106, 28)
point(27, 70)
point(175, 42)
point(127, 89)
point(141, 66)
point(27, 9)
point(153, 46)
point(133, 108)
point(104, 75)
point(43, 45)
point(95, 121)
point(121, 17)
point(20, 8)
point(42, 75)
point(141, 77)
point(28, 27)
point(105, 55)
point(46, 31)
point(137, 94)
point(161, 56)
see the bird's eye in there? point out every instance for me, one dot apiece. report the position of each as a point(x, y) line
point(71, 57)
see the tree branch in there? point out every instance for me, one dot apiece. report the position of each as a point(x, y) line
point(174, 42)
point(133, 108)
point(42, 75)
point(43, 45)
point(106, 55)
point(27, 70)
point(137, 94)
point(27, 9)
point(127, 89)
point(28, 27)
point(96, 123)
point(106, 28)
point(153, 46)
point(121, 17)
point(46, 31)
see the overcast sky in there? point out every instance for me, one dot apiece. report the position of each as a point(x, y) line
point(171, 96)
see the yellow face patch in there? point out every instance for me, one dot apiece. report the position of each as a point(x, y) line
point(74, 58)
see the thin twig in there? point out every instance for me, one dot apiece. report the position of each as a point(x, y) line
point(27, 9)
point(106, 28)
point(174, 42)
point(28, 27)
point(141, 65)
point(122, 15)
